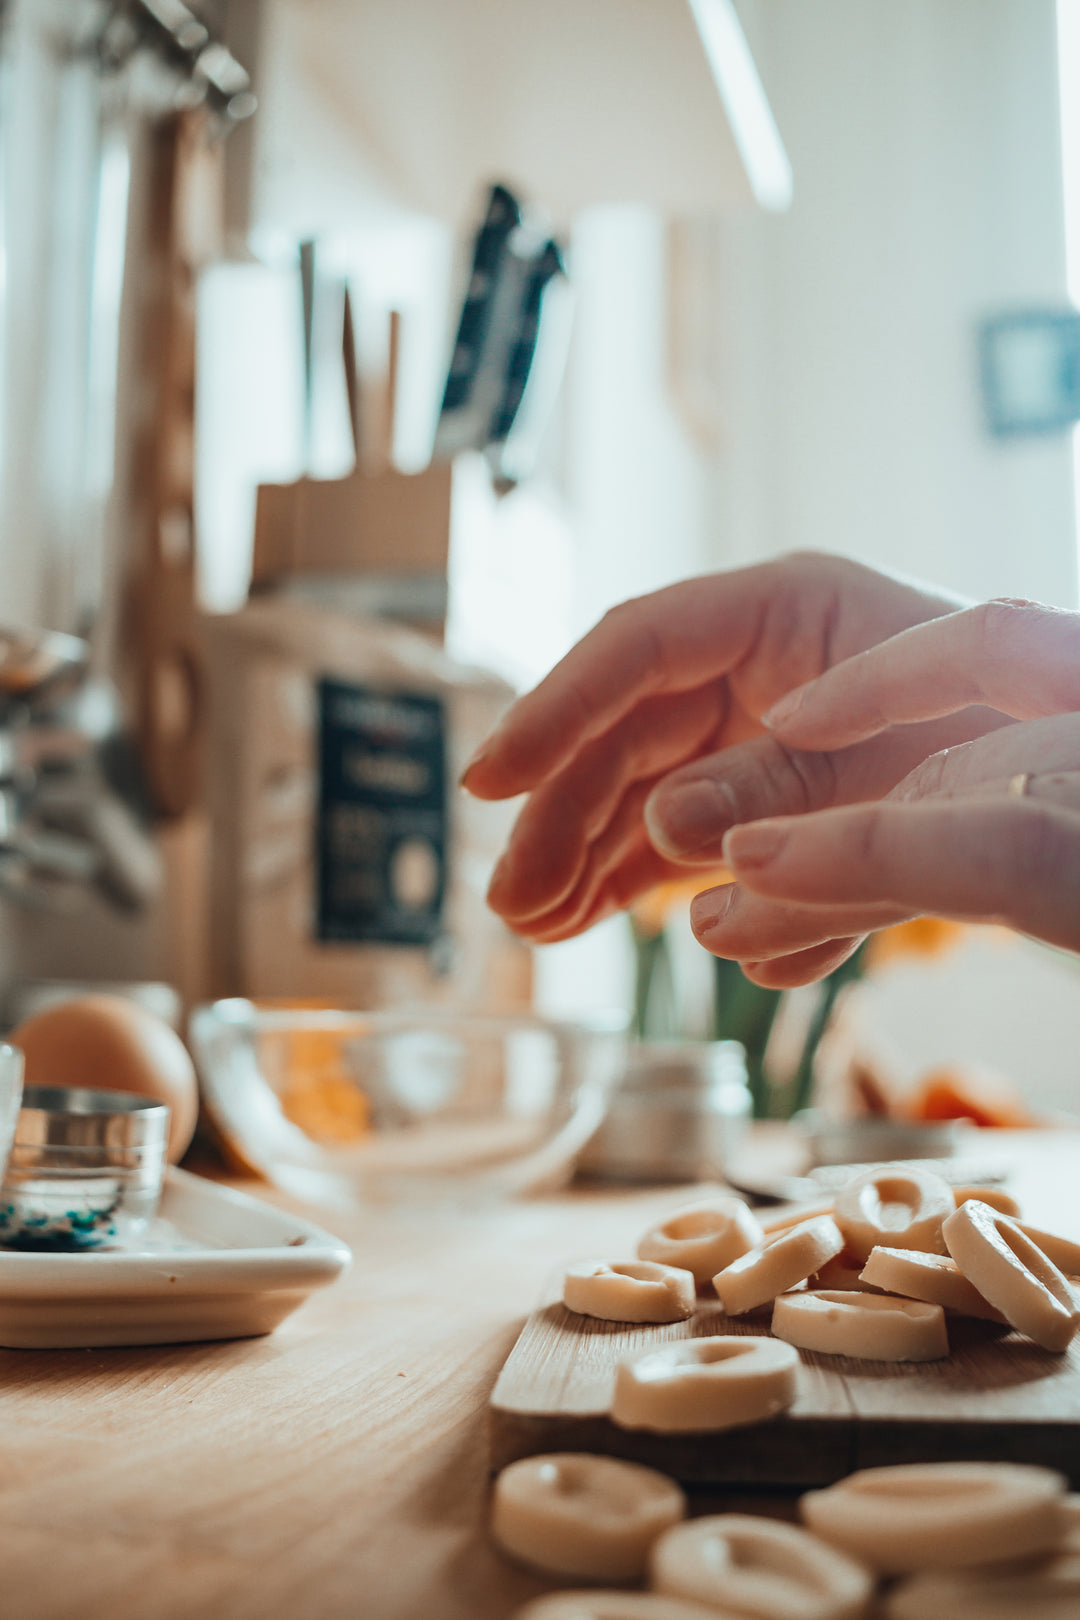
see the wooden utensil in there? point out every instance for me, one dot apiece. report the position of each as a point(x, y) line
point(375, 520)
point(161, 608)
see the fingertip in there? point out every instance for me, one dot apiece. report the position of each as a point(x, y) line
point(478, 780)
point(532, 880)
point(656, 825)
point(684, 818)
point(800, 967)
point(784, 709)
point(503, 765)
point(709, 909)
point(755, 844)
point(497, 886)
point(471, 780)
point(779, 974)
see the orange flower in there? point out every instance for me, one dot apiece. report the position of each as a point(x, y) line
point(317, 1091)
point(310, 1074)
point(959, 1091)
point(922, 936)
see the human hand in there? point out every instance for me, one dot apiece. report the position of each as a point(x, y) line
point(989, 831)
point(657, 714)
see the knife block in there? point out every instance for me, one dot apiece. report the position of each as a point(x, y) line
point(374, 521)
point(385, 522)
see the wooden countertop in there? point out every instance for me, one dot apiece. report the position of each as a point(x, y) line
point(335, 1470)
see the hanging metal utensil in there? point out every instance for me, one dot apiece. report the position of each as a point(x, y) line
point(474, 383)
point(514, 267)
point(36, 662)
point(68, 822)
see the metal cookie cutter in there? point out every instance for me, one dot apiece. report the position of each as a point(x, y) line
point(85, 1169)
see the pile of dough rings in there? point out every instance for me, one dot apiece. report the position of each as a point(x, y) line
point(925, 1541)
point(874, 1274)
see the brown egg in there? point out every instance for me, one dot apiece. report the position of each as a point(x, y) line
point(110, 1044)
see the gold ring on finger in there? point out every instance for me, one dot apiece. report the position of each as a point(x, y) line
point(1018, 784)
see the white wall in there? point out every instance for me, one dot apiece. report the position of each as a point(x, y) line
point(636, 485)
point(925, 146)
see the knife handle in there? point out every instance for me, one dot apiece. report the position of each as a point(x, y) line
point(502, 218)
point(548, 264)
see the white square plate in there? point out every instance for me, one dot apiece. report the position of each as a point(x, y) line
point(215, 1264)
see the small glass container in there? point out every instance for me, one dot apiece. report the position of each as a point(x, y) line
point(679, 1113)
point(423, 1104)
point(874, 1140)
point(11, 1086)
point(85, 1169)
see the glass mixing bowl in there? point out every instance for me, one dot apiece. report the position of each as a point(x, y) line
point(342, 1107)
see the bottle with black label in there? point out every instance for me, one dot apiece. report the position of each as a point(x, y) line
point(346, 865)
point(381, 830)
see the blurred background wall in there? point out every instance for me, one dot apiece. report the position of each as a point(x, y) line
point(927, 149)
point(832, 396)
point(756, 382)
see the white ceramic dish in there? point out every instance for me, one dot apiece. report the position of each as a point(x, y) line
point(215, 1264)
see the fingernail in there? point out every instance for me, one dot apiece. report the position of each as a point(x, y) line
point(682, 820)
point(481, 753)
point(498, 881)
point(708, 909)
point(754, 844)
point(785, 707)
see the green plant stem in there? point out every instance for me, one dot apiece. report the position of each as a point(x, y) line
point(654, 990)
point(802, 1081)
point(744, 1012)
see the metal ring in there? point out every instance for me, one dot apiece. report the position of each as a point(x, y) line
point(1018, 784)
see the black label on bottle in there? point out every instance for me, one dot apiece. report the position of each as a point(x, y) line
point(381, 829)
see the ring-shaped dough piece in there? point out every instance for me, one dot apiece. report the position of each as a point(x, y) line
point(1003, 1202)
point(704, 1384)
point(704, 1238)
point(1049, 1591)
point(594, 1605)
point(874, 1327)
point(1014, 1274)
point(762, 1568)
point(571, 1513)
point(629, 1291)
point(775, 1266)
point(1062, 1251)
point(895, 1205)
point(933, 1277)
point(940, 1515)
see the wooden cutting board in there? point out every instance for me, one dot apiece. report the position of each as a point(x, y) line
point(997, 1396)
